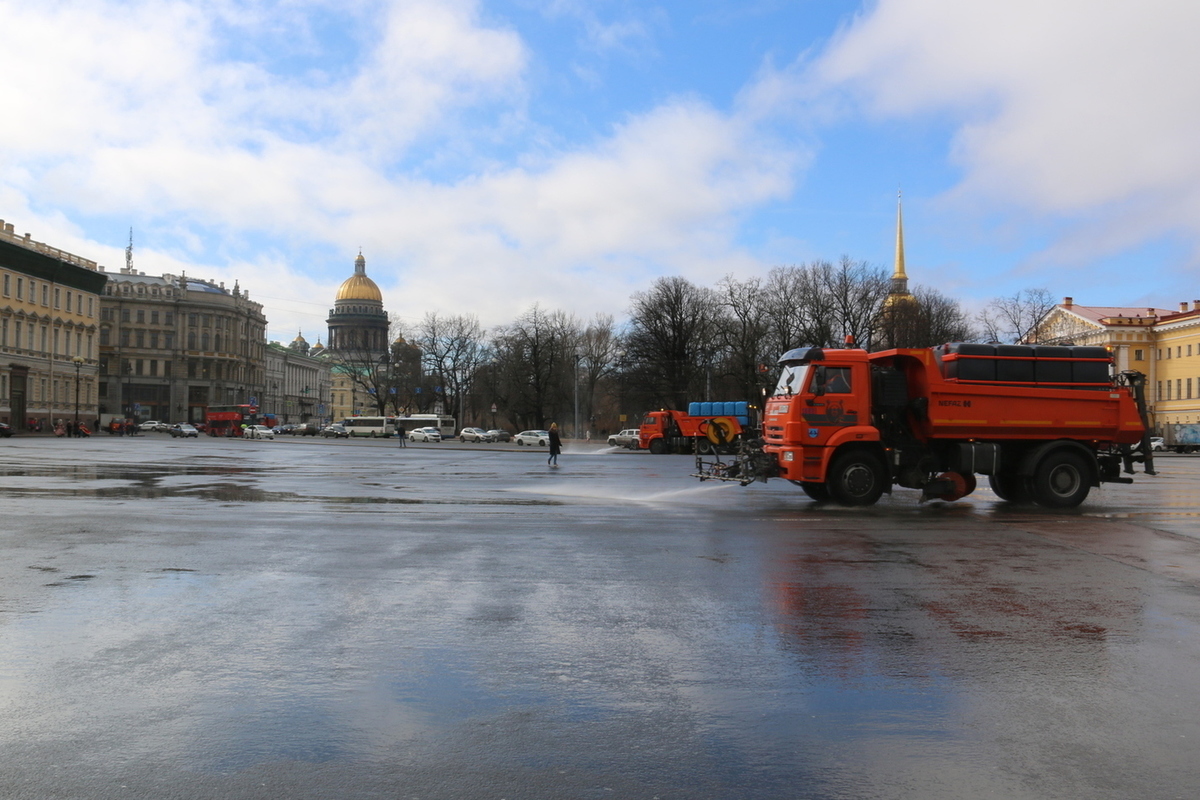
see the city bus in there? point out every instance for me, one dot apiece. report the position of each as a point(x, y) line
point(444, 424)
point(369, 426)
point(228, 420)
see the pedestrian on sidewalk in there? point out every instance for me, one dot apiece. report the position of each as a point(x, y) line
point(555, 445)
point(403, 434)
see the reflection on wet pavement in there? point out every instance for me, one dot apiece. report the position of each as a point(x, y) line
point(303, 620)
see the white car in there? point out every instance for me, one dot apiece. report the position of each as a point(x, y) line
point(532, 438)
point(626, 438)
point(1156, 443)
point(474, 435)
point(425, 435)
point(258, 432)
point(153, 425)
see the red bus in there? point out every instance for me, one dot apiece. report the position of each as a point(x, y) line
point(228, 420)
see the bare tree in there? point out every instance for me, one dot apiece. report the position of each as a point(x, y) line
point(599, 349)
point(743, 333)
point(926, 319)
point(534, 359)
point(1016, 318)
point(672, 333)
point(452, 350)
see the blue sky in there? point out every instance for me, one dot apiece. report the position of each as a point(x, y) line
point(489, 154)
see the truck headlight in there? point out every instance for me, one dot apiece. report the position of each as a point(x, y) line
point(789, 456)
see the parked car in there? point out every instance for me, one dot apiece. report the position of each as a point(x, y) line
point(425, 435)
point(258, 432)
point(336, 431)
point(532, 438)
point(5, 430)
point(153, 425)
point(499, 435)
point(1156, 443)
point(473, 435)
point(626, 438)
point(183, 429)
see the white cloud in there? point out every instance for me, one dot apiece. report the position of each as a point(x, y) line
point(146, 110)
point(1072, 108)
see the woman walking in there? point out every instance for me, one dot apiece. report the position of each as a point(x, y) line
point(555, 445)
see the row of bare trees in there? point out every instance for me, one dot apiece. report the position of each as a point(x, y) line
point(681, 342)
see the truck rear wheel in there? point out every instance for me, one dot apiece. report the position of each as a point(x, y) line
point(1062, 480)
point(704, 447)
point(856, 478)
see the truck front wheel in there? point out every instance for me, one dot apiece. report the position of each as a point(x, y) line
point(1010, 487)
point(1062, 480)
point(658, 447)
point(856, 478)
point(815, 491)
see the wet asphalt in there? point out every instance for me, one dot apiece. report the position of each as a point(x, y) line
point(329, 619)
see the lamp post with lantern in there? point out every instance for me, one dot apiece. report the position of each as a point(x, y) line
point(78, 362)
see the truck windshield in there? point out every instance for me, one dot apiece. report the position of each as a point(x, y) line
point(792, 379)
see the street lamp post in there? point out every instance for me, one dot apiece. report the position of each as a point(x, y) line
point(78, 361)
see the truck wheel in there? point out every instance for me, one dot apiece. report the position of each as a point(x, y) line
point(815, 491)
point(1010, 487)
point(658, 447)
point(1062, 480)
point(856, 478)
point(704, 447)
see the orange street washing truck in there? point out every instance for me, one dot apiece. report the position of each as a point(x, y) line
point(1045, 424)
point(705, 428)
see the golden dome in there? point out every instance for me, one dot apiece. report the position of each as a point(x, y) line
point(358, 286)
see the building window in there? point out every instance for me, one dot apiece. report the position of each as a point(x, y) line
point(4, 333)
point(154, 368)
point(141, 316)
point(141, 338)
point(138, 366)
point(90, 307)
point(46, 295)
point(57, 297)
point(154, 340)
point(168, 318)
point(1189, 388)
point(168, 340)
point(125, 337)
point(1139, 355)
point(104, 337)
point(20, 288)
point(153, 317)
point(7, 283)
point(124, 315)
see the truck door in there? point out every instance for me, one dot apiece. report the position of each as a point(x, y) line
point(831, 404)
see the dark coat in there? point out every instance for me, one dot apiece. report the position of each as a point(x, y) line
point(555, 443)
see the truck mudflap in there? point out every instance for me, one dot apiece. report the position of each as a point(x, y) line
point(748, 464)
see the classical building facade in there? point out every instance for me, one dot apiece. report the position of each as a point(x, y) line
point(297, 382)
point(172, 346)
point(358, 341)
point(1162, 344)
point(49, 302)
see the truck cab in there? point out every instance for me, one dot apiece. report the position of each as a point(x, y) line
point(822, 406)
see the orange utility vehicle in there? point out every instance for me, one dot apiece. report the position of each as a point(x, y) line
point(706, 428)
point(1045, 424)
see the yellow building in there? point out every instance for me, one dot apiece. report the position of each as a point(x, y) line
point(1175, 381)
point(1163, 345)
point(49, 304)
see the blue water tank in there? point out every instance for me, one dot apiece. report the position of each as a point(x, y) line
point(693, 409)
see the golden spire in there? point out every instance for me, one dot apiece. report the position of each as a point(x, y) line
point(899, 271)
